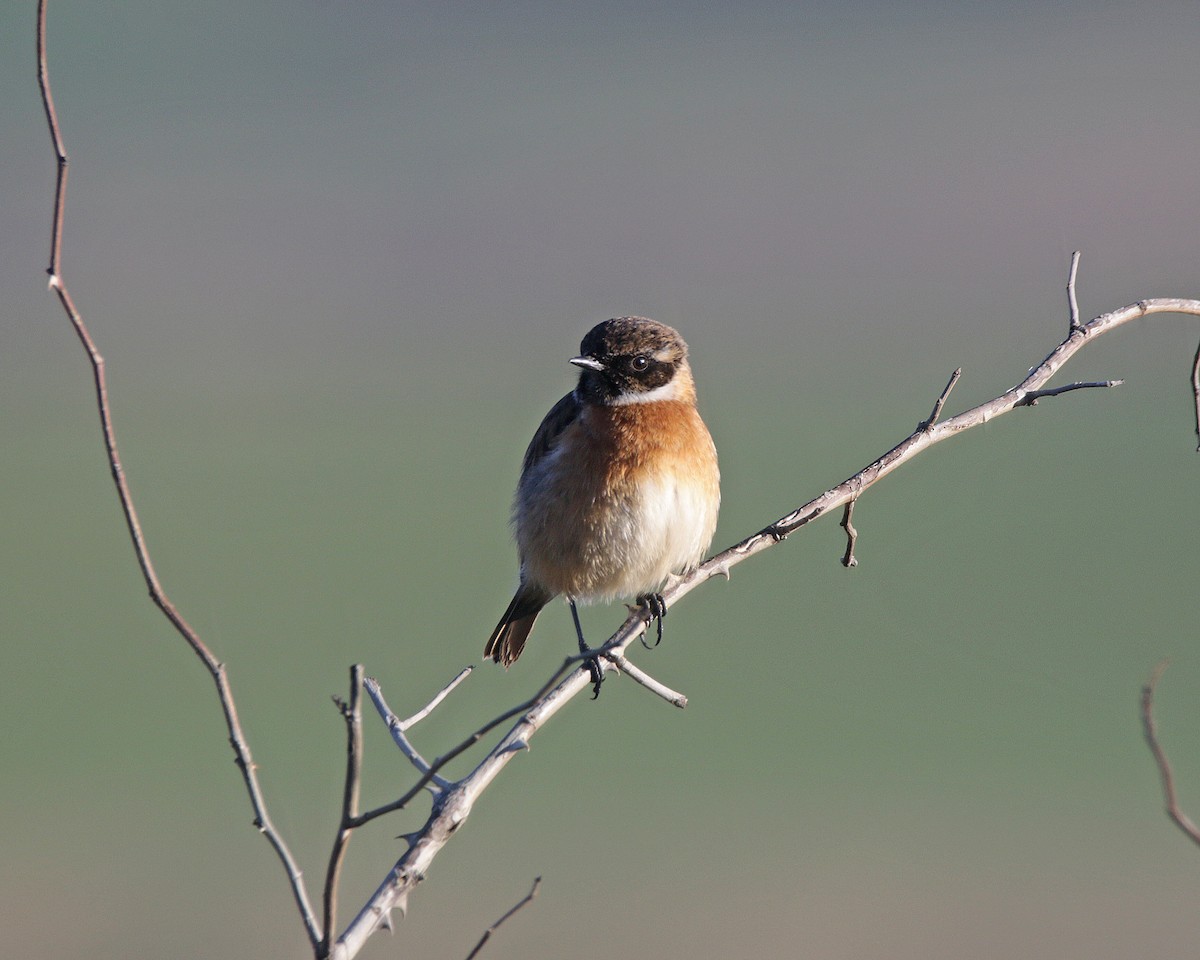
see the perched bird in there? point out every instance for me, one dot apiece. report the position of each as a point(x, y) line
point(619, 489)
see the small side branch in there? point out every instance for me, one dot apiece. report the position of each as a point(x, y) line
point(941, 401)
point(352, 713)
point(399, 728)
point(1174, 811)
point(1030, 399)
point(487, 934)
point(1073, 303)
point(849, 559)
point(1196, 393)
point(637, 674)
point(431, 774)
point(438, 698)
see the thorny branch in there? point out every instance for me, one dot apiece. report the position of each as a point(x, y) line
point(453, 799)
point(452, 807)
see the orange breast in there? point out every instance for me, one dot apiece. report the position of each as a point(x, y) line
point(628, 496)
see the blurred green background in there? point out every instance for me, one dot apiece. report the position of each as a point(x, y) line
point(336, 256)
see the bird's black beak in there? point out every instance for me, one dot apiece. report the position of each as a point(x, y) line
point(588, 363)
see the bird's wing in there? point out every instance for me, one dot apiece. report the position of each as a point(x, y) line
point(561, 416)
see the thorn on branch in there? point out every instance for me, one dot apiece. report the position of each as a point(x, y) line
point(849, 559)
point(925, 425)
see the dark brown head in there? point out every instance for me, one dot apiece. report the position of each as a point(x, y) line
point(633, 360)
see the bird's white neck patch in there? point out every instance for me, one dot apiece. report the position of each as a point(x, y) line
point(668, 391)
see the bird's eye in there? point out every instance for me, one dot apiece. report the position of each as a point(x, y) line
point(639, 363)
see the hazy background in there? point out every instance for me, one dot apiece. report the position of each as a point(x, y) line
point(337, 254)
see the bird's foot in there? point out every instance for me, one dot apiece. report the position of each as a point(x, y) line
point(590, 660)
point(656, 611)
point(597, 674)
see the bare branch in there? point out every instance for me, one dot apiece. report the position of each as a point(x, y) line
point(525, 901)
point(637, 674)
point(1196, 393)
point(941, 400)
point(1174, 811)
point(433, 768)
point(921, 439)
point(1072, 303)
point(216, 669)
point(441, 695)
point(352, 713)
point(397, 727)
point(1031, 399)
point(848, 558)
point(453, 807)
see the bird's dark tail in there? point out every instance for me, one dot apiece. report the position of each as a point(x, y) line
point(508, 639)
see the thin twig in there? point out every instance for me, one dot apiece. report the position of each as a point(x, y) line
point(352, 713)
point(216, 669)
point(397, 727)
point(525, 901)
point(1030, 399)
point(1073, 303)
point(441, 695)
point(637, 674)
point(848, 558)
point(1174, 811)
point(429, 776)
point(941, 401)
point(1196, 393)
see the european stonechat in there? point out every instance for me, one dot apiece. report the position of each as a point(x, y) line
point(619, 489)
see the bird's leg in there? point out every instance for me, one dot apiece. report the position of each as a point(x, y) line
point(592, 663)
point(657, 607)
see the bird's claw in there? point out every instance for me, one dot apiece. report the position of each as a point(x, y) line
point(596, 673)
point(657, 610)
